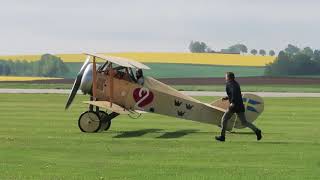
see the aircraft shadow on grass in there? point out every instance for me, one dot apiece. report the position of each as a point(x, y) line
point(178, 134)
point(165, 135)
point(137, 133)
point(251, 132)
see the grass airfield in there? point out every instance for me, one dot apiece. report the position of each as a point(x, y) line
point(39, 140)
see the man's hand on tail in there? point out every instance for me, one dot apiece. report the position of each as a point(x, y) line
point(225, 98)
point(231, 106)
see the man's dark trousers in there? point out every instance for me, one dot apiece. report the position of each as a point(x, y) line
point(241, 116)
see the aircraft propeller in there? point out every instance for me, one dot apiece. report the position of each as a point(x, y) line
point(77, 82)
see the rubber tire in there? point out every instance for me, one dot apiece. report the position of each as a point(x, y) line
point(105, 123)
point(92, 115)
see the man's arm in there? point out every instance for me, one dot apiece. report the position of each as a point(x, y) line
point(226, 97)
point(232, 96)
point(233, 93)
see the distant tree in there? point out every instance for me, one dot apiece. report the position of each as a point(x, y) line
point(27, 68)
point(36, 71)
point(254, 51)
point(48, 65)
point(11, 66)
point(303, 62)
point(238, 48)
point(281, 65)
point(2, 64)
point(291, 49)
point(52, 66)
point(5, 68)
point(262, 52)
point(209, 50)
point(19, 68)
point(316, 56)
point(302, 65)
point(197, 47)
point(272, 53)
point(307, 51)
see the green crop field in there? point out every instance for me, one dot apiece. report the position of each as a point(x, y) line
point(39, 140)
point(307, 88)
point(164, 70)
point(189, 70)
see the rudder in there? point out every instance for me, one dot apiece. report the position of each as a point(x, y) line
point(254, 106)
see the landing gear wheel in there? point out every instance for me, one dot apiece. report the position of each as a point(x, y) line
point(89, 122)
point(105, 121)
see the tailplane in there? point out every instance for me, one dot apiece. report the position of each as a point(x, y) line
point(254, 106)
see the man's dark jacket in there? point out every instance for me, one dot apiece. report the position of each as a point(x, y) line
point(234, 95)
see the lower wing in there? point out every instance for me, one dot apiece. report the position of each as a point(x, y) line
point(107, 105)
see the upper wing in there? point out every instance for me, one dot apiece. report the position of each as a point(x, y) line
point(106, 104)
point(120, 61)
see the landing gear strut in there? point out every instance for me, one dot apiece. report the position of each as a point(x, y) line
point(91, 121)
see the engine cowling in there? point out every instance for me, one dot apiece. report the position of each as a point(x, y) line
point(83, 81)
point(86, 81)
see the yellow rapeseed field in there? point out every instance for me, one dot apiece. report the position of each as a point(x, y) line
point(182, 58)
point(23, 78)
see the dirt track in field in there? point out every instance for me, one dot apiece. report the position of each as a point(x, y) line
point(242, 80)
point(202, 81)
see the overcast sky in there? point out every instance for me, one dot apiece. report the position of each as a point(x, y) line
point(62, 26)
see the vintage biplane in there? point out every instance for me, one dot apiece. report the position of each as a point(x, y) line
point(112, 86)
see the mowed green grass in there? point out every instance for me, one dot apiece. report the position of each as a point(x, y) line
point(165, 70)
point(310, 88)
point(39, 140)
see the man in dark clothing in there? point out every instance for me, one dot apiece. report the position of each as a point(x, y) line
point(236, 106)
point(140, 78)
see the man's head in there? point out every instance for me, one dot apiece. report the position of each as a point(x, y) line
point(229, 76)
point(139, 73)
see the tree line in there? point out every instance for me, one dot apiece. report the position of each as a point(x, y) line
point(47, 66)
point(295, 61)
point(290, 61)
point(202, 47)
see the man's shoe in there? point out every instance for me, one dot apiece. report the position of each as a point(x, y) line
point(259, 135)
point(220, 138)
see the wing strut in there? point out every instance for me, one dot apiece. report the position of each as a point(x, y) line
point(110, 84)
point(94, 79)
